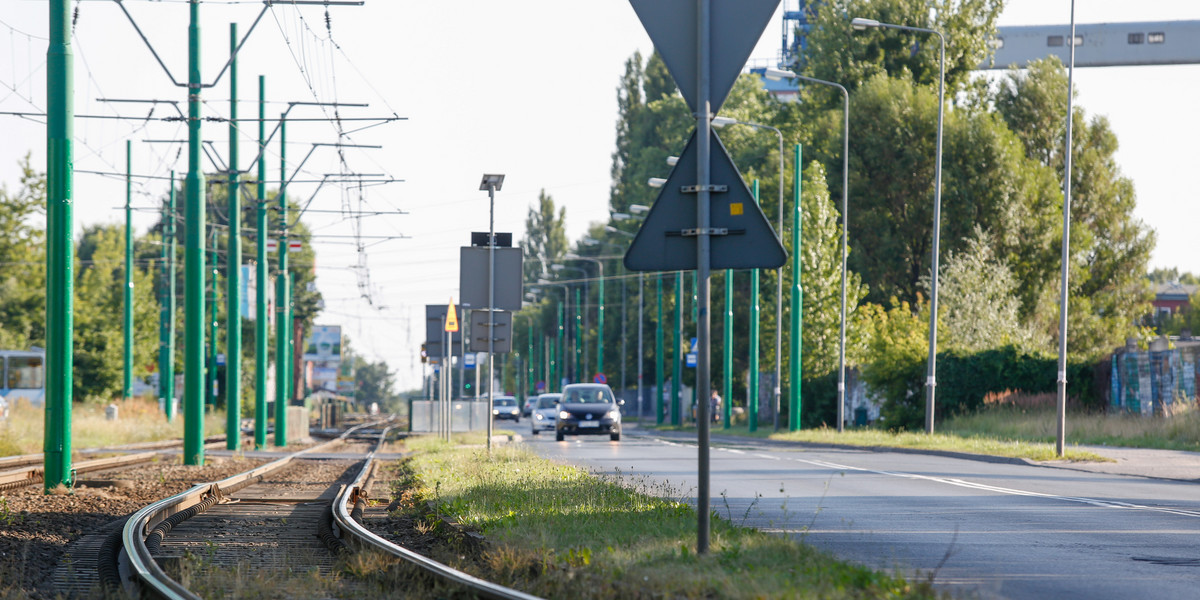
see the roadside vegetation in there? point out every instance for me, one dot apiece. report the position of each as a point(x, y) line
point(137, 421)
point(558, 532)
point(1180, 431)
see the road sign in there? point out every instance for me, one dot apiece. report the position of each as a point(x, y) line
point(435, 320)
point(599, 378)
point(540, 386)
point(736, 27)
point(473, 277)
point(743, 238)
point(691, 359)
point(469, 360)
point(293, 245)
point(451, 318)
point(695, 344)
point(501, 331)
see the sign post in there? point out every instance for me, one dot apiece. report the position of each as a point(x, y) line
point(704, 44)
point(450, 328)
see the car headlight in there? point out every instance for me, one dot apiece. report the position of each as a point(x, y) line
point(495, 411)
point(538, 416)
point(614, 414)
point(564, 415)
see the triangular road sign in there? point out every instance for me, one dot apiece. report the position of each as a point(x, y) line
point(735, 25)
point(451, 318)
point(743, 237)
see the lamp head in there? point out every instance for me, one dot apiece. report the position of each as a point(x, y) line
point(557, 267)
point(590, 241)
point(571, 256)
point(638, 209)
point(859, 23)
point(656, 182)
point(778, 74)
point(672, 160)
point(722, 121)
point(620, 216)
point(491, 181)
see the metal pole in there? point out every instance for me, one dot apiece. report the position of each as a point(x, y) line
point(752, 395)
point(703, 277)
point(172, 298)
point(210, 381)
point(931, 378)
point(261, 357)
point(559, 365)
point(127, 388)
point(60, 248)
point(193, 292)
point(491, 306)
point(577, 374)
point(600, 322)
point(728, 355)
point(779, 298)
point(677, 372)
point(283, 363)
point(797, 303)
point(1061, 425)
point(659, 358)
point(233, 271)
point(841, 390)
point(641, 354)
point(163, 356)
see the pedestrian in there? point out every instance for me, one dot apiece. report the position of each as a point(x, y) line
point(715, 405)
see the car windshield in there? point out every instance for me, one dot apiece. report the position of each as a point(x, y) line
point(588, 395)
point(548, 401)
point(506, 402)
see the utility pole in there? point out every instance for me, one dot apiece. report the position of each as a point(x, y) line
point(659, 358)
point(797, 304)
point(168, 370)
point(60, 248)
point(677, 381)
point(193, 289)
point(233, 270)
point(127, 387)
point(260, 279)
point(752, 396)
point(728, 354)
point(211, 381)
point(283, 328)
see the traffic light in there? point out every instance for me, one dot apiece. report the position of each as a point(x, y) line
point(424, 354)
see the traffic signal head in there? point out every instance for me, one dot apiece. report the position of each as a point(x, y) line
point(424, 354)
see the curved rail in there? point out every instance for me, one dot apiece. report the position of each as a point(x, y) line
point(354, 493)
point(141, 564)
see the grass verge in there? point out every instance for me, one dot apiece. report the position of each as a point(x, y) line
point(139, 421)
point(1180, 431)
point(558, 532)
point(950, 440)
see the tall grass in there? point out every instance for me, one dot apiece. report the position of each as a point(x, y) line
point(1179, 431)
point(138, 421)
point(558, 532)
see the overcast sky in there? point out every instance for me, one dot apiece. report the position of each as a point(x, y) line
point(526, 88)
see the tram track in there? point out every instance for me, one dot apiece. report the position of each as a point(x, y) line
point(294, 517)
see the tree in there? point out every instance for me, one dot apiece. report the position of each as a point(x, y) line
point(374, 382)
point(545, 237)
point(23, 262)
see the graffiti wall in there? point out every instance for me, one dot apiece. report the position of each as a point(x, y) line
point(1153, 383)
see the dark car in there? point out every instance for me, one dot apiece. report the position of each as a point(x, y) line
point(505, 407)
point(588, 409)
point(530, 404)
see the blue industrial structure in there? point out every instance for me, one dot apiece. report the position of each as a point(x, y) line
point(1097, 44)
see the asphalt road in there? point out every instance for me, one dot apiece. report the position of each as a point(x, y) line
point(991, 530)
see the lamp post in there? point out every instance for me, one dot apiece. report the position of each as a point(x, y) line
point(599, 309)
point(581, 356)
point(491, 184)
point(781, 74)
point(861, 24)
point(1061, 409)
point(722, 122)
point(556, 362)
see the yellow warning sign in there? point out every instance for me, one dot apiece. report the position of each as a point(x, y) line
point(735, 209)
point(451, 318)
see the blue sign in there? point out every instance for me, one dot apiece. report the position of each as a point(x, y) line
point(600, 378)
point(469, 360)
point(691, 359)
point(540, 386)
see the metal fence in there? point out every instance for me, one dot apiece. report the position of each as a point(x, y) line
point(465, 415)
point(1153, 383)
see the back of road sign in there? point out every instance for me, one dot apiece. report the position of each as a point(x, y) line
point(743, 238)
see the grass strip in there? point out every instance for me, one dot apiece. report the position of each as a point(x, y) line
point(138, 421)
point(1179, 431)
point(558, 532)
point(950, 440)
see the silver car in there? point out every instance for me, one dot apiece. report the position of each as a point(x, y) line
point(545, 413)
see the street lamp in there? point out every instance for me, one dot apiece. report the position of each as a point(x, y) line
point(491, 183)
point(599, 309)
point(581, 351)
point(777, 74)
point(722, 122)
point(559, 358)
point(656, 182)
point(860, 24)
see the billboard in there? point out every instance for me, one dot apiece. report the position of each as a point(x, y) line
point(324, 344)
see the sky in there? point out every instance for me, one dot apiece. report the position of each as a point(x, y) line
point(525, 88)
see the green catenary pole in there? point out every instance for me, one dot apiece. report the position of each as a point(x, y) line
point(127, 387)
point(193, 292)
point(728, 339)
point(168, 371)
point(577, 374)
point(600, 325)
point(797, 303)
point(210, 381)
point(233, 271)
point(659, 358)
point(60, 249)
point(261, 357)
point(282, 300)
point(163, 357)
point(677, 354)
point(752, 394)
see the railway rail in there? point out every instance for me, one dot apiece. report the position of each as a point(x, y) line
point(266, 515)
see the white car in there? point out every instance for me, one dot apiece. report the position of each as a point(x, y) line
point(545, 413)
